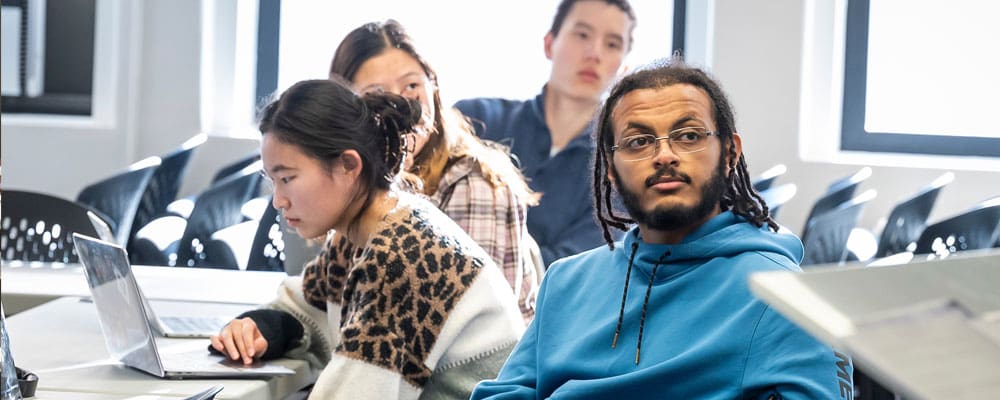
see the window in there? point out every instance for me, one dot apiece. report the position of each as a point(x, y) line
point(905, 83)
point(506, 44)
point(48, 56)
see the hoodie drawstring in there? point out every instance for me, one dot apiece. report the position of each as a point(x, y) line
point(621, 311)
point(645, 302)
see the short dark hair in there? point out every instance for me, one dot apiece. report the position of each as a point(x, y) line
point(324, 118)
point(566, 5)
point(739, 197)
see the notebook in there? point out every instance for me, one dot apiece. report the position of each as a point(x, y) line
point(127, 333)
point(926, 330)
point(169, 326)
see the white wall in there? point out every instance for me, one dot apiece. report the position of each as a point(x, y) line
point(757, 49)
point(758, 45)
point(58, 155)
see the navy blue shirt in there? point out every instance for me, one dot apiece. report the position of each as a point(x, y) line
point(563, 223)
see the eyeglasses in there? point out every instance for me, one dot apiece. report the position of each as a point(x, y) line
point(645, 146)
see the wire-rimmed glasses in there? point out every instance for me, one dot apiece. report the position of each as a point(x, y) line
point(645, 146)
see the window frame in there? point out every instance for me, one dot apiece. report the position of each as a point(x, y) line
point(853, 133)
point(822, 101)
point(115, 53)
point(49, 101)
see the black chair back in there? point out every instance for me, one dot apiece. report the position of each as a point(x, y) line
point(217, 207)
point(766, 179)
point(908, 219)
point(117, 197)
point(235, 167)
point(978, 228)
point(267, 253)
point(40, 227)
point(777, 196)
point(837, 193)
point(164, 184)
point(826, 241)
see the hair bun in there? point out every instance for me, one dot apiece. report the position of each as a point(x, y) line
point(393, 116)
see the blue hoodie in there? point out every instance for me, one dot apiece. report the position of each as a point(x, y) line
point(703, 336)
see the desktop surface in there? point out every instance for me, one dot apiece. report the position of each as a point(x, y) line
point(927, 329)
point(61, 342)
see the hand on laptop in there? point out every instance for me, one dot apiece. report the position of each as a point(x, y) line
point(240, 339)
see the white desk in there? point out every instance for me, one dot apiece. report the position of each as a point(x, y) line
point(26, 285)
point(61, 342)
point(927, 330)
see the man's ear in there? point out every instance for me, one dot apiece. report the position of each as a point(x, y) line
point(549, 38)
point(737, 143)
point(350, 163)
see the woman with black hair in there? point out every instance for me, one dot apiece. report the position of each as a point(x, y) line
point(398, 323)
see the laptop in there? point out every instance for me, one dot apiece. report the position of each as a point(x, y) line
point(928, 329)
point(127, 332)
point(170, 325)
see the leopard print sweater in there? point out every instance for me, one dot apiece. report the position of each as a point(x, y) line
point(396, 294)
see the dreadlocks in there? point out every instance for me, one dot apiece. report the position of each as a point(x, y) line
point(739, 196)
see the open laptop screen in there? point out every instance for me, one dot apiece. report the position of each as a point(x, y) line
point(119, 308)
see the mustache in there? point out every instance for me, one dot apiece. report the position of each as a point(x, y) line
point(664, 173)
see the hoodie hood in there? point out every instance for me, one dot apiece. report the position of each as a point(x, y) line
point(725, 235)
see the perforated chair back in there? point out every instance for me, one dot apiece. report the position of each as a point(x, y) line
point(117, 197)
point(777, 196)
point(217, 207)
point(267, 253)
point(908, 219)
point(826, 241)
point(164, 184)
point(766, 179)
point(40, 227)
point(978, 228)
point(837, 193)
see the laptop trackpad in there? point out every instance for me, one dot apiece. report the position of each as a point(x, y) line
point(200, 363)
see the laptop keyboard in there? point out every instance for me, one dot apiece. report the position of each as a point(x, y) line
point(194, 324)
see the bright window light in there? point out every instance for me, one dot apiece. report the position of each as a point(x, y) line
point(478, 49)
point(900, 83)
point(932, 69)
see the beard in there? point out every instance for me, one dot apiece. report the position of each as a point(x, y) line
point(666, 218)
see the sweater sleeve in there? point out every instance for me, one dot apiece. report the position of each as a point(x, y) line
point(281, 330)
point(348, 378)
point(786, 361)
point(298, 329)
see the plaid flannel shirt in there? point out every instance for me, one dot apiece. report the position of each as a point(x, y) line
point(496, 219)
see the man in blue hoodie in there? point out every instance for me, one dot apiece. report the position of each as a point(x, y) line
point(666, 312)
point(551, 133)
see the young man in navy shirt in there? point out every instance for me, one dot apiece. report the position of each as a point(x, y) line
point(551, 133)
